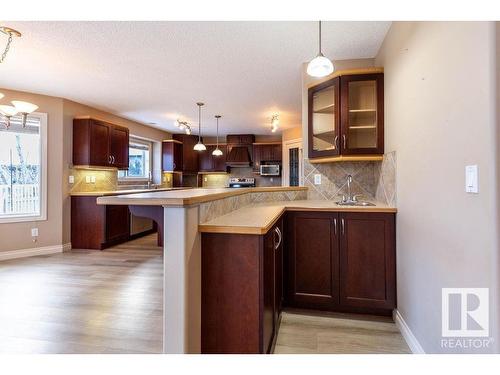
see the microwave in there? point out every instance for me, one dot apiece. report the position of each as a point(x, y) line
point(269, 169)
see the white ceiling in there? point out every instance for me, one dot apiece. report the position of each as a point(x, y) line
point(157, 71)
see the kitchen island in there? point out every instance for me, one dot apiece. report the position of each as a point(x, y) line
point(188, 213)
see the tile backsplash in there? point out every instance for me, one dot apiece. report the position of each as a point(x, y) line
point(105, 180)
point(222, 180)
point(372, 180)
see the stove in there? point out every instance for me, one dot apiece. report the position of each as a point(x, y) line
point(241, 182)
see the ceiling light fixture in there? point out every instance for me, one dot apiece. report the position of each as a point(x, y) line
point(320, 66)
point(275, 121)
point(18, 108)
point(199, 146)
point(183, 125)
point(217, 151)
point(10, 34)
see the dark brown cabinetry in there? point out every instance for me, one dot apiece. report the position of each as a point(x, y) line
point(178, 154)
point(239, 149)
point(266, 152)
point(346, 116)
point(98, 143)
point(97, 227)
point(241, 291)
point(341, 261)
point(211, 163)
point(171, 156)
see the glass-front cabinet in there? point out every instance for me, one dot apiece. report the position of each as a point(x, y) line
point(346, 116)
point(362, 114)
point(324, 119)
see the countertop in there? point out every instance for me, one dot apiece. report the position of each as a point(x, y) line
point(187, 197)
point(120, 192)
point(259, 218)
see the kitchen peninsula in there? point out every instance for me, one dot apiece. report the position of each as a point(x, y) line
point(250, 211)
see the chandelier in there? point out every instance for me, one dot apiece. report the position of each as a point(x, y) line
point(18, 107)
point(11, 33)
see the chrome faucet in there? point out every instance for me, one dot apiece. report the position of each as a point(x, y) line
point(349, 182)
point(350, 199)
point(150, 180)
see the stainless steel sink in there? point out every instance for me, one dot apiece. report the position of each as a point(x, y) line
point(355, 203)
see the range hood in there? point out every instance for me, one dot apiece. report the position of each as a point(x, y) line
point(238, 157)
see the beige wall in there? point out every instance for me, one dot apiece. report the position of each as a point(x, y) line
point(60, 112)
point(440, 117)
point(291, 134)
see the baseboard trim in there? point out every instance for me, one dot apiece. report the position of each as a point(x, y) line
point(407, 334)
point(24, 253)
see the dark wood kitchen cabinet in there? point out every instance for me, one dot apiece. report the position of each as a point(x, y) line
point(346, 116)
point(266, 152)
point(172, 156)
point(95, 226)
point(99, 143)
point(211, 163)
point(241, 291)
point(190, 157)
point(341, 261)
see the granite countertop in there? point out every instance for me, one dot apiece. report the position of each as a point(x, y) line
point(120, 192)
point(187, 197)
point(259, 218)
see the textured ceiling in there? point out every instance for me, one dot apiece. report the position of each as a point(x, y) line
point(157, 71)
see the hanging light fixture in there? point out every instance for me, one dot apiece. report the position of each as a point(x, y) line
point(11, 33)
point(217, 151)
point(7, 111)
point(183, 125)
point(199, 146)
point(18, 108)
point(320, 66)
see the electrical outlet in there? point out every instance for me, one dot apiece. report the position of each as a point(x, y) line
point(87, 179)
point(164, 178)
point(205, 179)
point(317, 179)
point(71, 179)
point(34, 232)
point(92, 179)
point(271, 179)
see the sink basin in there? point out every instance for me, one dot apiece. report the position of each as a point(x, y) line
point(354, 203)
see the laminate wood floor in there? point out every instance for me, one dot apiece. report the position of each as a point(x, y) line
point(330, 333)
point(88, 301)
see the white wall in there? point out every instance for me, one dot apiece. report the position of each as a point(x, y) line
point(439, 117)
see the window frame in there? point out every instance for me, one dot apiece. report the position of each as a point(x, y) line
point(42, 216)
point(125, 179)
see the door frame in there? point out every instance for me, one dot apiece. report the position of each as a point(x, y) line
point(287, 145)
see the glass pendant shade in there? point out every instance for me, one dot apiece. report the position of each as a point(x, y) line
point(320, 66)
point(199, 147)
point(217, 152)
point(8, 110)
point(24, 107)
point(1, 95)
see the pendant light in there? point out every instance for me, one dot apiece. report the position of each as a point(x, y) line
point(199, 146)
point(320, 66)
point(217, 151)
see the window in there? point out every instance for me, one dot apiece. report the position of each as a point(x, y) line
point(23, 166)
point(139, 161)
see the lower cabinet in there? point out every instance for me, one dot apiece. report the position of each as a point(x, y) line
point(341, 261)
point(95, 226)
point(242, 291)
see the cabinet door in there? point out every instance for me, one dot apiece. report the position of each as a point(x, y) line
point(219, 162)
point(313, 259)
point(190, 159)
point(362, 114)
point(367, 265)
point(117, 223)
point(119, 147)
point(268, 290)
point(171, 156)
point(278, 270)
point(99, 143)
point(256, 157)
point(276, 152)
point(324, 119)
point(206, 160)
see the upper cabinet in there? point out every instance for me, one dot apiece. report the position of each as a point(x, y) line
point(171, 160)
point(266, 152)
point(99, 143)
point(346, 116)
point(212, 163)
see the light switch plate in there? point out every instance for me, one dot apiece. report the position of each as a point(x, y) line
point(317, 179)
point(71, 179)
point(34, 232)
point(87, 179)
point(92, 179)
point(471, 179)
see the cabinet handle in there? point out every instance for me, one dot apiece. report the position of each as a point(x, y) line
point(343, 226)
point(278, 232)
point(345, 143)
point(109, 159)
point(336, 141)
point(113, 160)
point(335, 227)
point(174, 166)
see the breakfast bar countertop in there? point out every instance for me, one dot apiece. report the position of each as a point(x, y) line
point(105, 193)
point(188, 197)
point(259, 218)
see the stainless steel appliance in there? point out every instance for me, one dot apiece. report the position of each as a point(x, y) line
point(270, 169)
point(241, 182)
